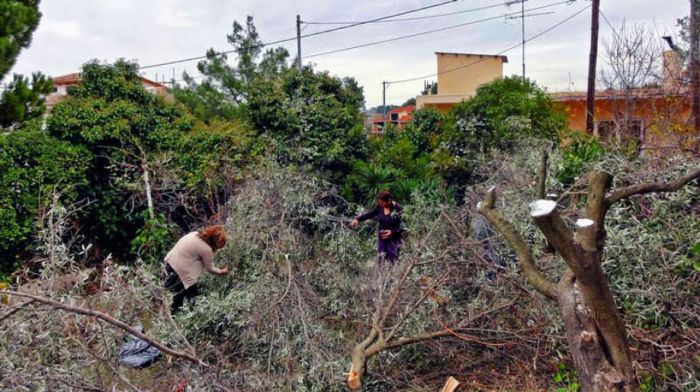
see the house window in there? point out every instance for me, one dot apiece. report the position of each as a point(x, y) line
point(633, 130)
point(55, 89)
point(606, 129)
point(394, 117)
point(611, 130)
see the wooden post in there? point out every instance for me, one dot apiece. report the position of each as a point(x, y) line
point(592, 60)
point(694, 63)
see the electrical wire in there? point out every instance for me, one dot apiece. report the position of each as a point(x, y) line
point(500, 4)
point(216, 54)
point(497, 54)
point(605, 18)
point(377, 19)
point(431, 31)
point(302, 36)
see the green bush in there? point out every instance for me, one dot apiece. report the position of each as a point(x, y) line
point(577, 156)
point(153, 239)
point(33, 168)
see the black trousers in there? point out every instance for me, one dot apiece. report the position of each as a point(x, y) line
point(180, 293)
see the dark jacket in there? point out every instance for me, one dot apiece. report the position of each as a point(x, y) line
point(392, 222)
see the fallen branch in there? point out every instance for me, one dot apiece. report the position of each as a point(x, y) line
point(109, 319)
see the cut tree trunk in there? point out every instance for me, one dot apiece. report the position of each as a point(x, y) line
point(588, 349)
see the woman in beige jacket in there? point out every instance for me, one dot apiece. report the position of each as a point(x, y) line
point(190, 256)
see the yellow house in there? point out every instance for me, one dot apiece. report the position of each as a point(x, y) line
point(459, 75)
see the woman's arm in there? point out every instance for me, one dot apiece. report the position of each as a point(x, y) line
point(368, 214)
point(208, 261)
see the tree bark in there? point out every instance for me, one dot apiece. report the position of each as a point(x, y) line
point(542, 181)
point(585, 343)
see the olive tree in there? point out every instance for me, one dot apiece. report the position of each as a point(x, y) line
point(594, 328)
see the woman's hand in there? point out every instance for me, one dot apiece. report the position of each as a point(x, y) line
point(354, 223)
point(385, 234)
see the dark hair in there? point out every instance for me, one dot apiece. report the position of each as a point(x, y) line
point(385, 196)
point(214, 236)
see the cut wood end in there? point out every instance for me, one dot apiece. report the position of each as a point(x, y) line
point(588, 338)
point(451, 385)
point(542, 208)
point(584, 223)
point(493, 188)
point(353, 380)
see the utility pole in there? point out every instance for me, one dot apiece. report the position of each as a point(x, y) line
point(694, 62)
point(522, 24)
point(298, 42)
point(384, 85)
point(522, 19)
point(592, 59)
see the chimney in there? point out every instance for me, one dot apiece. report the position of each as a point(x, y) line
point(673, 72)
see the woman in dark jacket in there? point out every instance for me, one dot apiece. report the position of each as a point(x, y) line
point(388, 214)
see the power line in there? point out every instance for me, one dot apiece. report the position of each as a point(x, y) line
point(500, 4)
point(303, 36)
point(377, 19)
point(609, 24)
point(499, 53)
point(217, 53)
point(431, 31)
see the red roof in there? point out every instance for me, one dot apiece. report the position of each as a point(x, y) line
point(378, 118)
point(407, 108)
point(74, 78)
point(405, 119)
point(616, 94)
point(69, 79)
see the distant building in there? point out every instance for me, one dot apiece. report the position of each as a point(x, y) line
point(61, 84)
point(459, 75)
point(656, 119)
point(399, 117)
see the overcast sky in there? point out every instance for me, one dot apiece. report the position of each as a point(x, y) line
point(72, 32)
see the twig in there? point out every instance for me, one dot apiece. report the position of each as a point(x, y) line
point(427, 293)
point(16, 309)
point(289, 280)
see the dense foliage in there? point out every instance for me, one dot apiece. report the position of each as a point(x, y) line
point(442, 152)
point(23, 100)
point(309, 118)
point(35, 169)
point(19, 20)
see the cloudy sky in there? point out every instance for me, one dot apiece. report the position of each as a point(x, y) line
point(72, 32)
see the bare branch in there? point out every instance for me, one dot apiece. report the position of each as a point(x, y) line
point(545, 216)
point(542, 185)
point(110, 320)
point(641, 189)
point(16, 309)
point(515, 240)
point(596, 207)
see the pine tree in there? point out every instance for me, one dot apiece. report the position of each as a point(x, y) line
point(19, 20)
